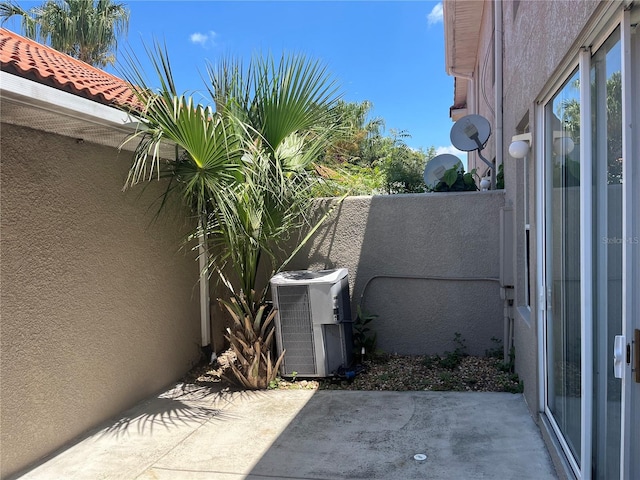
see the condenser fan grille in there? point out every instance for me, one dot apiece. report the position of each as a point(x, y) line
point(297, 329)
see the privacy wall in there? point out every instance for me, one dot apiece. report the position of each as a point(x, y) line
point(426, 264)
point(98, 303)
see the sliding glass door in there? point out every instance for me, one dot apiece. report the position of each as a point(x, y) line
point(564, 354)
point(591, 251)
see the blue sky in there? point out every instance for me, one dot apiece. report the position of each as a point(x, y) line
point(390, 53)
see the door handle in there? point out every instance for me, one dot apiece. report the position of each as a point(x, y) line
point(636, 355)
point(619, 356)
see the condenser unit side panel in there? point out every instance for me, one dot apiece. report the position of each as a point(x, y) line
point(337, 338)
point(296, 330)
point(321, 304)
point(341, 301)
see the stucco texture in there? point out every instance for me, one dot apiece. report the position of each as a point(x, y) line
point(99, 308)
point(394, 245)
point(537, 38)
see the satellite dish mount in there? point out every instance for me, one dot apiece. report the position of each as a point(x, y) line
point(471, 133)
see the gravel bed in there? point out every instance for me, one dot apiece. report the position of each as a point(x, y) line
point(393, 372)
point(403, 372)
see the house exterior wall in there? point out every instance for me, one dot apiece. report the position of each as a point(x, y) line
point(481, 90)
point(394, 247)
point(99, 308)
point(537, 37)
point(541, 40)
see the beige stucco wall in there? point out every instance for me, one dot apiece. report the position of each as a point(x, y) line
point(99, 307)
point(481, 90)
point(537, 37)
point(411, 238)
point(541, 44)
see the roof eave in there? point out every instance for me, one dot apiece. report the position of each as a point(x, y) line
point(462, 20)
point(456, 113)
point(32, 97)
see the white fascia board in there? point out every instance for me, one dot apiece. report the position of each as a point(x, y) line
point(448, 10)
point(49, 98)
point(457, 113)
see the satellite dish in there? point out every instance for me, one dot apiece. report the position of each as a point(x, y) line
point(470, 133)
point(435, 168)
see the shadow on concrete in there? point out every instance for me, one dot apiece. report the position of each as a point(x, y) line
point(146, 433)
point(313, 435)
point(165, 412)
point(184, 405)
point(376, 435)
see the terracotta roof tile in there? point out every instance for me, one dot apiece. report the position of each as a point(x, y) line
point(27, 58)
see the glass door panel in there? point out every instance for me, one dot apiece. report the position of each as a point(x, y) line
point(563, 343)
point(606, 98)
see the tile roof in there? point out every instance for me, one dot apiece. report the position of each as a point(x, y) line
point(42, 64)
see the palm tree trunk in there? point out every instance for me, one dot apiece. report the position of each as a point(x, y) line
point(205, 306)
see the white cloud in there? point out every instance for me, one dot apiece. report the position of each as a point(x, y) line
point(436, 14)
point(198, 38)
point(452, 150)
point(203, 39)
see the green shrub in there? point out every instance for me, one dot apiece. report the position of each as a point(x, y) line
point(456, 180)
point(364, 340)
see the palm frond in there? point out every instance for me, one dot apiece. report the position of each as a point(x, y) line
point(85, 29)
point(210, 164)
point(291, 96)
point(243, 169)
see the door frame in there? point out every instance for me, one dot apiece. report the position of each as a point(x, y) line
point(630, 446)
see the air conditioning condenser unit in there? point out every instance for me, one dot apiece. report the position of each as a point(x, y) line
point(313, 321)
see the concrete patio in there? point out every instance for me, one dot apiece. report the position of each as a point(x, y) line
point(199, 433)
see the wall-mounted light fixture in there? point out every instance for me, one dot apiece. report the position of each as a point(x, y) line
point(519, 147)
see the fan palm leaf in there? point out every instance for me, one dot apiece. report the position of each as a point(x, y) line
point(243, 168)
point(209, 164)
point(84, 29)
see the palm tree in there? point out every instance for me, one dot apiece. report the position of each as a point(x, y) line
point(84, 29)
point(242, 168)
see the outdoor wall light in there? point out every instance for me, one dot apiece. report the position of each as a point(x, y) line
point(519, 149)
